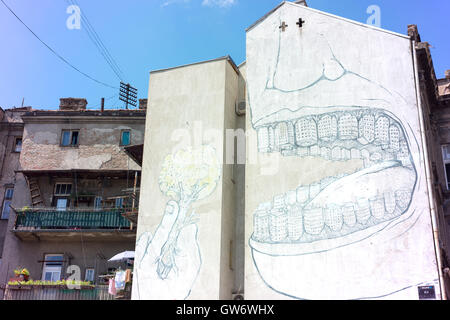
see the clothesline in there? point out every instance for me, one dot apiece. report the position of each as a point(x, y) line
point(118, 283)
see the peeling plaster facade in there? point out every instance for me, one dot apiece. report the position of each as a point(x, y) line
point(96, 166)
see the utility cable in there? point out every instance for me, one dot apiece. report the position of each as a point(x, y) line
point(96, 40)
point(55, 53)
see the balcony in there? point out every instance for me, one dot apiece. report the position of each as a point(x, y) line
point(88, 224)
point(57, 293)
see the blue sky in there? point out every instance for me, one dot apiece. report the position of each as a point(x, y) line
point(154, 34)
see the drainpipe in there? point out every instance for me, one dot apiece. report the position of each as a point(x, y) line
point(431, 202)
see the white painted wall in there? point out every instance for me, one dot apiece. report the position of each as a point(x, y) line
point(186, 108)
point(335, 67)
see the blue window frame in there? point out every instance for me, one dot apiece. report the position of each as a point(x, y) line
point(125, 138)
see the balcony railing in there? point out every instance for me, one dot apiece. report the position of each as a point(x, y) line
point(51, 219)
point(56, 293)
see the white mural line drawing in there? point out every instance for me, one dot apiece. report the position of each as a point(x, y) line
point(330, 213)
point(169, 262)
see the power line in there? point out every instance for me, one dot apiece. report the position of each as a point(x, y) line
point(97, 41)
point(102, 44)
point(55, 53)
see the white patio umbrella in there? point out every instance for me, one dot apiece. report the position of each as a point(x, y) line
point(123, 256)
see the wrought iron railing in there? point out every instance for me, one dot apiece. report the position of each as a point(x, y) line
point(71, 219)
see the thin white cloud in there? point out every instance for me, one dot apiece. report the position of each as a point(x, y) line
point(218, 3)
point(169, 2)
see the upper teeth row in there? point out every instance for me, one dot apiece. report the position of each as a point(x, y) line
point(311, 130)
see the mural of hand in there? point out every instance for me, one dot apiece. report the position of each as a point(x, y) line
point(186, 259)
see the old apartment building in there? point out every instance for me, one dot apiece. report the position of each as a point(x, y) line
point(67, 185)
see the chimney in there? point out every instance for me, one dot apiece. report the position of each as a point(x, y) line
point(143, 104)
point(301, 2)
point(413, 33)
point(72, 104)
point(103, 104)
point(447, 74)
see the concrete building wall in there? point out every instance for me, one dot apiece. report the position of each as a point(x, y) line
point(338, 198)
point(183, 152)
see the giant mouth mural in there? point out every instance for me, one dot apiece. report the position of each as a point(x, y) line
point(319, 118)
point(333, 208)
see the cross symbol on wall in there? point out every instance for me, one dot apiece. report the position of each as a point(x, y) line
point(300, 22)
point(283, 26)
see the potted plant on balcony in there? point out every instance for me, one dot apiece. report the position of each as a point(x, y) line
point(25, 274)
point(17, 272)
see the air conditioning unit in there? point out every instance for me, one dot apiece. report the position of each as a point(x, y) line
point(237, 296)
point(240, 108)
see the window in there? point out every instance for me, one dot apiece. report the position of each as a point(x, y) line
point(89, 276)
point(98, 203)
point(119, 203)
point(69, 138)
point(52, 267)
point(61, 195)
point(7, 202)
point(446, 159)
point(125, 138)
point(17, 145)
point(63, 189)
point(61, 204)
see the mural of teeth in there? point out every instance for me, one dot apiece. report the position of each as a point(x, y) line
point(348, 127)
point(345, 154)
point(313, 220)
point(284, 135)
point(355, 154)
point(336, 153)
point(261, 222)
point(333, 218)
point(278, 201)
point(306, 132)
point(290, 198)
point(366, 129)
point(375, 157)
point(302, 194)
point(365, 155)
point(271, 139)
point(362, 211)
point(325, 153)
point(382, 131)
point(278, 225)
point(389, 202)
point(295, 223)
point(348, 215)
point(327, 127)
point(263, 139)
point(377, 207)
point(314, 151)
point(403, 154)
point(394, 138)
point(402, 199)
point(302, 152)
